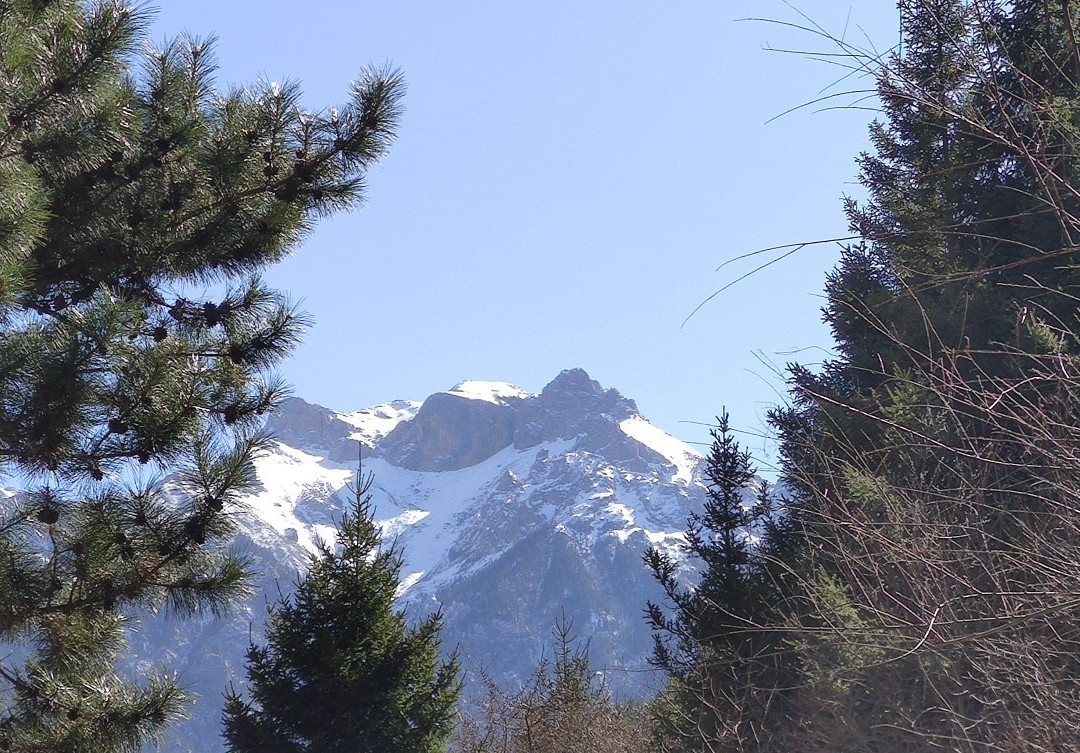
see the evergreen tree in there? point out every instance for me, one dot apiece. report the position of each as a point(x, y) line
point(341, 671)
point(129, 186)
point(726, 669)
point(932, 460)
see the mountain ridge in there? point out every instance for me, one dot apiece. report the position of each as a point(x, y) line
point(511, 510)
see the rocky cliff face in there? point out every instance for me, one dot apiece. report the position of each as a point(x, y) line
point(512, 510)
point(473, 421)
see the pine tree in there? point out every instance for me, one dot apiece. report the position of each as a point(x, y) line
point(137, 206)
point(725, 667)
point(341, 670)
point(932, 460)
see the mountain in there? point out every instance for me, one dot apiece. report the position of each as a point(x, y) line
point(512, 510)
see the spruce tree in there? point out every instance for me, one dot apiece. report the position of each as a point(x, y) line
point(137, 206)
point(933, 458)
point(726, 669)
point(341, 670)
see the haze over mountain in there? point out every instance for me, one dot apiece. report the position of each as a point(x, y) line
point(512, 510)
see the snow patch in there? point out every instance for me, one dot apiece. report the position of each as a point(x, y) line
point(285, 473)
point(669, 543)
point(489, 392)
point(679, 454)
point(374, 423)
point(408, 582)
point(395, 526)
point(620, 512)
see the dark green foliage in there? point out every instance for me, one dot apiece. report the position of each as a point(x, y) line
point(341, 671)
point(725, 667)
point(129, 186)
point(934, 459)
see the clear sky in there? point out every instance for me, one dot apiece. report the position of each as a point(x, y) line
point(567, 179)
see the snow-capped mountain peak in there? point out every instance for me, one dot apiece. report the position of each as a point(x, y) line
point(491, 392)
point(511, 510)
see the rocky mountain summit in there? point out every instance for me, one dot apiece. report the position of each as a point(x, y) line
point(511, 510)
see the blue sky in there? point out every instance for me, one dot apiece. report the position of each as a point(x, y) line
point(567, 178)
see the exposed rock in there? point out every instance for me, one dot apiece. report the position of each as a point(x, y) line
point(302, 424)
point(450, 432)
point(512, 510)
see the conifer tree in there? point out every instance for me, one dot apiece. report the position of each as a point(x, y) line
point(129, 185)
point(725, 668)
point(933, 460)
point(341, 670)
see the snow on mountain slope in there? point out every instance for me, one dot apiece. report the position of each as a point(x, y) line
point(491, 392)
point(680, 455)
point(372, 424)
point(511, 510)
point(425, 512)
point(292, 480)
